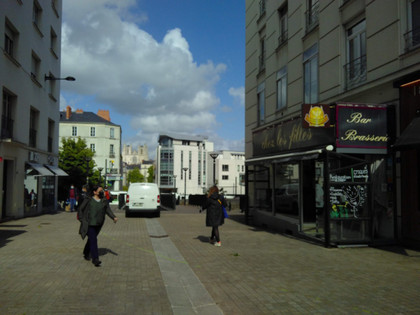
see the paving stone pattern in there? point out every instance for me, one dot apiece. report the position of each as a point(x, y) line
point(42, 270)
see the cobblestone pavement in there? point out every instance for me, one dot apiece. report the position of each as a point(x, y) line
point(42, 270)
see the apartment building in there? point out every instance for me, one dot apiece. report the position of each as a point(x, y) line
point(30, 67)
point(182, 164)
point(102, 136)
point(331, 125)
point(229, 171)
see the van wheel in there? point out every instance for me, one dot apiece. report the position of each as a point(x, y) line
point(158, 214)
point(127, 214)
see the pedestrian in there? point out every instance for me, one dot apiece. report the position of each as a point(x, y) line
point(91, 214)
point(72, 197)
point(33, 198)
point(82, 195)
point(214, 214)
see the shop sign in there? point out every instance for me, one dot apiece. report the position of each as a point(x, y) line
point(361, 128)
point(289, 136)
point(316, 115)
point(349, 193)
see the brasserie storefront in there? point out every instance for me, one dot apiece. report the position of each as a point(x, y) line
point(326, 175)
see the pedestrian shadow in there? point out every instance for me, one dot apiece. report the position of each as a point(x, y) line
point(105, 251)
point(397, 249)
point(5, 236)
point(202, 238)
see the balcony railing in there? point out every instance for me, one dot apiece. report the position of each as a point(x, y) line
point(32, 138)
point(312, 17)
point(355, 72)
point(112, 154)
point(283, 37)
point(412, 39)
point(6, 127)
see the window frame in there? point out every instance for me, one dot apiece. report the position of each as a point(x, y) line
point(310, 61)
point(281, 101)
point(74, 131)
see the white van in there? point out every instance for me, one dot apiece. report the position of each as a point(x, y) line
point(142, 198)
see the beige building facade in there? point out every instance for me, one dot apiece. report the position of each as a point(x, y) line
point(30, 64)
point(356, 64)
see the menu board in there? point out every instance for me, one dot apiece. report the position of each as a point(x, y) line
point(349, 193)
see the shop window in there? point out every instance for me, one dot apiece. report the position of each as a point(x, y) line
point(260, 190)
point(286, 189)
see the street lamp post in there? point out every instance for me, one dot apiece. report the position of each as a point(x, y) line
point(214, 155)
point(53, 78)
point(88, 159)
point(100, 175)
point(185, 169)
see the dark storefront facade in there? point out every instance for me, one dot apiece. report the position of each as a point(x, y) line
point(326, 175)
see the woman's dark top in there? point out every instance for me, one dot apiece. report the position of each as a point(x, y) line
point(214, 214)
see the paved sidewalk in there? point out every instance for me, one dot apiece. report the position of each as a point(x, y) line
point(42, 270)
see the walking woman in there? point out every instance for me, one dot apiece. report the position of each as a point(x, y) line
point(214, 214)
point(91, 214)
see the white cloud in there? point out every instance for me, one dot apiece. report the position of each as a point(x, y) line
point(125, 68)
point(238, 94)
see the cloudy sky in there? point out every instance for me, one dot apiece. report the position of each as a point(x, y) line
point(158, 66)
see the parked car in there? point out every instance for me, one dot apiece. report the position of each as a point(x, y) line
point(142, 198)
point(286, 200)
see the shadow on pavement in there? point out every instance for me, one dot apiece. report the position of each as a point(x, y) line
point(6, 234)
point(104, 251)
point(202, 238)
point(396, 249)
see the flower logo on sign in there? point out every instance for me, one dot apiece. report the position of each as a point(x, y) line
point(316, 117)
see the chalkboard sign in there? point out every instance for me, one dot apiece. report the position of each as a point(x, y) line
point(349, 193)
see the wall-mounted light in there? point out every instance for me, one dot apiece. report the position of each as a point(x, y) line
point(53, 78)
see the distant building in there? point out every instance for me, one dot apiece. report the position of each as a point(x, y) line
point(101, 135)
point(132, 156)
point(330, 86)
point(29, 63)
point(229, 171)
point(182, 164)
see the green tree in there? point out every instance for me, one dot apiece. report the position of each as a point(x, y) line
point(151, 174)
point(76, 159)
point(134, 176)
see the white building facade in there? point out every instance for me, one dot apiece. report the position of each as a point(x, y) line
point(101, 135)
point(30, 62)
point(182, 164)
point(229, 172)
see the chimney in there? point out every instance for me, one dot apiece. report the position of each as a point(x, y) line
point(104, 114)
point(79, 111)
point(68, 112)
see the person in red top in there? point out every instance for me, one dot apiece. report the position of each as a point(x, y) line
point(72, 197)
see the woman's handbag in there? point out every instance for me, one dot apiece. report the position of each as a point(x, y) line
point(225, 214)
point(224, 209)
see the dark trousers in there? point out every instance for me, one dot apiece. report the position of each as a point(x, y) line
point(215, 233)
point(91, 246)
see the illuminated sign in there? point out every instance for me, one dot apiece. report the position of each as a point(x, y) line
point(316, 115)
point(361, 128)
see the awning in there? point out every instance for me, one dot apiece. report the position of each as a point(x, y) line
point(410, 137)
point(286, 157)
point(40, 169)
point(56, 170)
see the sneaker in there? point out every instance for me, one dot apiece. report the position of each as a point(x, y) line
point(218, 244)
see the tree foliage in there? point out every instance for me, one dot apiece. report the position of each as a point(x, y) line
point(134, 176)
point(151, 174)
point(76, 159)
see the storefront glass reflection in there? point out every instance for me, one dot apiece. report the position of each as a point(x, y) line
point(286, 189)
